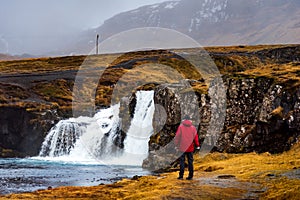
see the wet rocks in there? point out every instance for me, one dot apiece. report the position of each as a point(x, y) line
point(127, 106)
point(261, 116)
point(9, 153)
point(226, 176)
point(264, 120)
point(160, 161)
point(212, 168)
point(22, 132)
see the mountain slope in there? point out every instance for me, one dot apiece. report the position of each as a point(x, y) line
point(212, 22)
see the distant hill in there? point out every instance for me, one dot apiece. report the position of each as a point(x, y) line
point(8, 57)
point(210, 22)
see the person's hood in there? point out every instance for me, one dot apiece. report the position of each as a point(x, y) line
point(187, 123)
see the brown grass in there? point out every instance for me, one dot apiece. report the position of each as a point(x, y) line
point(285, 74)
point(244, 48)
point(41, 65)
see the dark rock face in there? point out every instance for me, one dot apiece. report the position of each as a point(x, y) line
point(23, 132)
point(172, 103)
point(168, 113)
point(127, 106)
point(282, 55)
point(261, 116)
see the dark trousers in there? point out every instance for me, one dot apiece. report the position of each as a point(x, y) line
point(189, 156)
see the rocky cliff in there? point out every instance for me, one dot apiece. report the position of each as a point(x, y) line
point(22, 132)
point(262, 112)
point(261, 116)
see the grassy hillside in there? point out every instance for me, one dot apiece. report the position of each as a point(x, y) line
point(46, 82)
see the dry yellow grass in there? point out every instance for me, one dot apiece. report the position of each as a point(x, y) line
point(244, 48)
point(261, 175)
point(41, 65)
point(286, 74)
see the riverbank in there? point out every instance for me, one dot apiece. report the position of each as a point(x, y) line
point(217, 176)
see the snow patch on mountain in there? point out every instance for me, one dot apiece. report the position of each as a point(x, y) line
point(211, 11)
point(171, 4)
point(214, 22)
point(155, 6)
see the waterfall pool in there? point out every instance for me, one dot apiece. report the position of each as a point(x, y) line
point(83, 152)
point(27, 175)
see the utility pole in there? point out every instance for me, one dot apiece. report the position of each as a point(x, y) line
point(97, 42)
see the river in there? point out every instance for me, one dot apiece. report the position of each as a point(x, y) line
point(30, 174)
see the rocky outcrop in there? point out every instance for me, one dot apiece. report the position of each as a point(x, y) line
point(261, 116)
point(171, 105)
point(22, 132)
point(127, 106)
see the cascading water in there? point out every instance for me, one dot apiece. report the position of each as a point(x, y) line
point(141, 129)
point(86, 139)
point(61, 138)
point(139, 132)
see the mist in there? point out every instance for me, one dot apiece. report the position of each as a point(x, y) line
point(67, 27)
point(41, 26)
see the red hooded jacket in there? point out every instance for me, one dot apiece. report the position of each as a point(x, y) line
point(186, 137)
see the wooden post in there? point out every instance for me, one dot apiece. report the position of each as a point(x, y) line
point(97, 42)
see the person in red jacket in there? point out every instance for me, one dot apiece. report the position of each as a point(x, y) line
point(185, 139)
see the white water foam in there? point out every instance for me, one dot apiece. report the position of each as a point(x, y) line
point(140, 130)
point(141, 125)
point(89, 140)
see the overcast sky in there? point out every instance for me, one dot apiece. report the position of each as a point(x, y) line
point(21, 19)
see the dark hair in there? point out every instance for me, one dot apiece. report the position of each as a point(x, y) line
point(186, 117)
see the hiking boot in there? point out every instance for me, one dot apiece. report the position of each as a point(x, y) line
point(180, 178)
point(189, 178)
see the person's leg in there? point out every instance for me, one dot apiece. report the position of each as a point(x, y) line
point(190, 165)
point(182, 160)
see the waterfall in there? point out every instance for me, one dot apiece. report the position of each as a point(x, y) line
point(141, 129)
point(139, 132)
point(92, 139)
point(61, 138)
